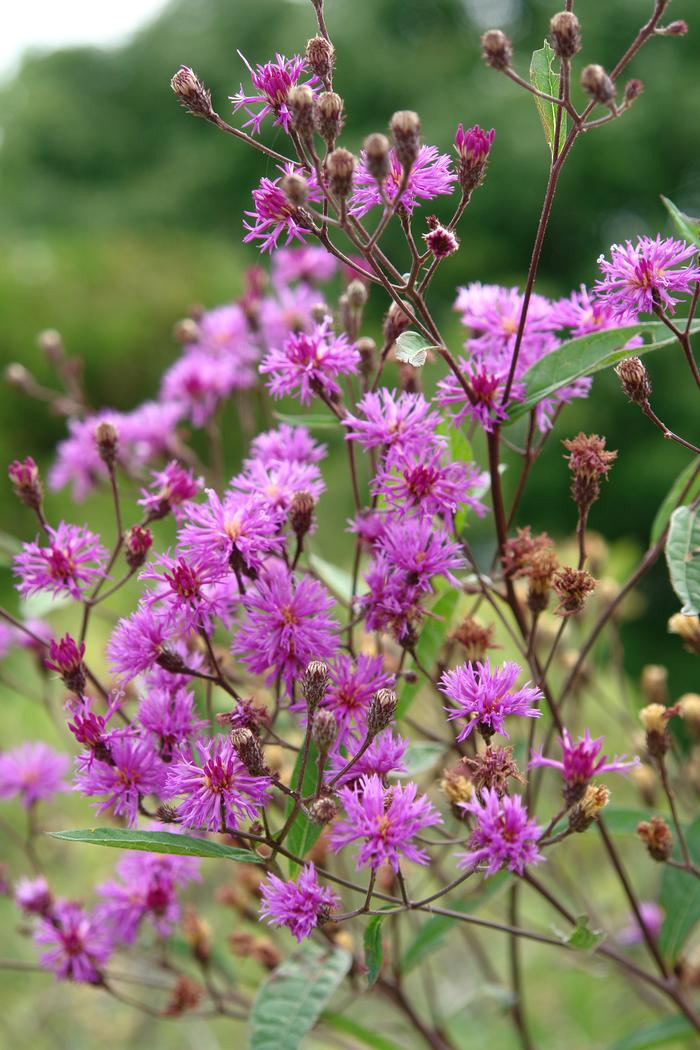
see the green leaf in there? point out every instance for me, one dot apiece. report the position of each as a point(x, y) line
point(680, 898)
point(290, 1001)
point(432, 635)
point(673, 496)
point(545, 77)
point(312, 420)
point(421, 755)
point(683, 558)
point(620, 821)
point(412, 349)
point(582, 937)
point(337, 580)
point(432, 933)
point(374, 953)
point(372, 1039)
point(687, 226)
point(584, 356)
point(303, 833)
point(670, 1030)
point(157, 842)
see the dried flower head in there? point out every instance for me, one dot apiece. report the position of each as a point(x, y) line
point(572, 587)
point(634, 379)
point(496, 49)
point(565, 31)
point(589, 461)
point(192, 93)
point(593, 801)
point(656, 836)
point(688, 630)
point(476, 639)
point(493, 768)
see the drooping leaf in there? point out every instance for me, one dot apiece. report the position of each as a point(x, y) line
point(670, 1030)
point(157, 842)
point(584, 356)
point(374, 953)
point(582, 937)
point(312, 420)
point(545, 77)
point(351, 1027)
point(680, 898)
point(337, 580)
point(687, 226)
point(432, 635)
point(683, 558)
point(432, 933)
point(421, 755)
point(303, 833)
point(691, 473)
point(291, 1000)
point(412, 349)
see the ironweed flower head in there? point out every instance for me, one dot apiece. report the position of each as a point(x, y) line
point(648, 275)
point(300, 905)
point(430, 176)
point(504, 837)
point(485, 696)
point(217, 790)
point(77, 946)
point(32, 772)
point(72, 561)
point(271, 82)
point(581, 761)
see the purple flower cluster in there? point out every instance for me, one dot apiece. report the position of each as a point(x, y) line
point(485, 696)
point(297, 905)
point(504, 835)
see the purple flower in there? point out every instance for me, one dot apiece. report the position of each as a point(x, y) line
point(307, 263)
point(384, 821)
point(492, 314)
point(276, 484)
point(422, 480)
point(271, 84)
point(32, 772)
point(580, 761)
point(33, 896)
point(391, 603)
point(351, 687)
point(485, 697)
point(66, 657)
point(297, 905)
point(236, 534)
point(133, 770)
point(420, 551)
point(169, 714)
point(137, 642)
point(199, 382)
point(486, 406)
point(274, 215)
point(78, 463)
point(473, 145)
point(504, 835)
point(78, 946)
point(383, 756)
point(286, 444)
point(309, 363)
point(180, 593)
point(222, 333)
point(170, 489)
point(286, 626)
point(219, 790)
point(147, 888)
point(73, 560)
point(290, 309)
point(402, 421)
point(582, 312)
point(653, 917)
point(430, 176)
point(637, 277)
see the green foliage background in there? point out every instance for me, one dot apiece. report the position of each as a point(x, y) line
point(119, 212)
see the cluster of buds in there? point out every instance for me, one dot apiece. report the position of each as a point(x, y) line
point(192, 93)
point(314, 683)
point(66, 657)
point(26, 482)
point(593, 801)
point(589, 462)
point(137, 543)
point(656, 836)
point(381, 711)
point(572, 587)
point(476, 639)
point(493, 768)
point(688, 630)
point(654, 719)
point(323, 809)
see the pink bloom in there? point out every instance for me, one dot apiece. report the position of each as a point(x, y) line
point(33, 896)
point(289, 310)
point(297, 905)
point(640, 276)
point(400, 421)
point(73, 560)
point(220, 789)
point(383, 756)
point(580, 761)
point(223, 333)
point(286, 626)
point(138, 642)
point(180, 594)
point(133, 769)
point(487, 407)
point(171, 715)
point(286, 444)
point(271, 84)
point(485, 697)
point(351, 687)
point(582, 312)
point(170, 489)
point(420, 551)
point(310, 363)
point(430, 176)
point(273, 215)
point(32, 772)
point(423, 481)
point(199, 382)
point(147, 888)
point(78, 947)
point(276, 484)
point(307, 263)
point(391, 602)
point(653, 917)
point(233, 535)
point(66, 657)
point(384, 821)
point(504, 835)
point(473, 145)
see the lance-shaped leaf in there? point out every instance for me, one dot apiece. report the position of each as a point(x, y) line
point(374, 952)
point(661, 1033)
point(291, 1000)
point(680, 898)
point(688, 478)
point(157, 842)
point(687, 226)
point(545, 77)
point(303, 832)
point(683, 558)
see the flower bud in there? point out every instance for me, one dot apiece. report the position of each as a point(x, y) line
point(198, 935)
point(654, 683)
point(677, 28)
point(654, 718)
point(381, 711)
point(496, 49)
point(66, 657)
point(186, 331)
point(340, 168)
point(171, 661)
point(377, 159)
point(634, 379)
point(192, 93)
point(322, 810)
point(367, 349)
point(301, 513)
point(688, 630)
point(328, 116)
point(320, 57)
point(633, 89)
point(689, 708)
point(456, 786)
point(314, 683)
point(395, 322)
point(656, 836)
point(166, 814)
point(26, 482)
point(324, 730)
point(295, 188)
point(137, 543)
point(18, 376)
point(107, 442)
point(405, 130)
point(594, 800)
point(185, 995)
point(50, 343)
point(596, 82)
point(441, 242)
point(300, 103)
point(247, 747)
point(566, 34)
